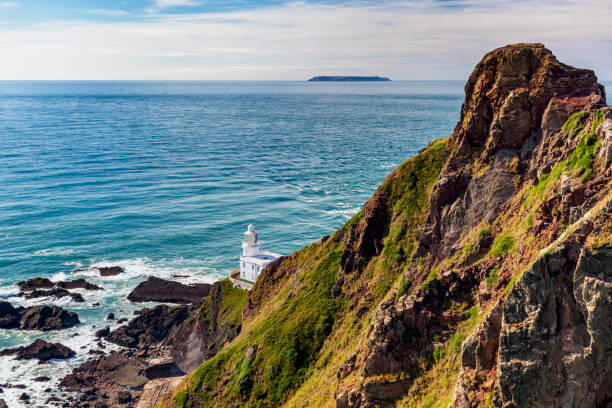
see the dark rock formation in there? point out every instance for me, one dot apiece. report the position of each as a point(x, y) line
point(47, 318)
point(160, 290)
point(40, 350)
point(150, 327)
point(103, 270)
point(202, 336)
point(116, 371)
point(55, 293)
point(36, 317)
point(44, 283)
point(103, 332)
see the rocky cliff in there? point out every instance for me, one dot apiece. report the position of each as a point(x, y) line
point(479, 273)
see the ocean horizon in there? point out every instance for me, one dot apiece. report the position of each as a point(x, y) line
point(163, 177)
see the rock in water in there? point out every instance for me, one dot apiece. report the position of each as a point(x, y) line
point(103, 332)
point(103, 270)
point(110, 270)
point(161, 290)
point(35, 283)
point(78, 284)
point(44, 283)
point(47, 318)
point(9, 316)
point(151, 327)
point(55, 292)
point(41, 350)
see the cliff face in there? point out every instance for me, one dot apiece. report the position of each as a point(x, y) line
point(478, 274)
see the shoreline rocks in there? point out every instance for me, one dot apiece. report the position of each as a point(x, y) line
point(41, 350)
point(44, 283)
point(103, 270)
point(56, 293)
point(161, 290)
point(42, 318)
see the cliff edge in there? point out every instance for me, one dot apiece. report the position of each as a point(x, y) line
point(479, 273)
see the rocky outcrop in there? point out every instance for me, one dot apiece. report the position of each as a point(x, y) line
point(204, 335)
point(56, 293)
point(555, 341)
point(151, 327)
point(42, 318)
point(103, 270)
point(44, 283)
point(40, 350)
point(117, 376)
point(517, 98)
point(161, 290)
point(535, 347)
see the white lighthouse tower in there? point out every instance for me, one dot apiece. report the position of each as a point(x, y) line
point(253, 260)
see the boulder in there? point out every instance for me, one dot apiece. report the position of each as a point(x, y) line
point(103, 270)
point(103, 332)
point(40, 350)
point(110, 270)
point(161, 290)
point(35, 283)
point(47, 318)
point(150, 327)
point(78, 284)
point(9, 316)
point(55, 292)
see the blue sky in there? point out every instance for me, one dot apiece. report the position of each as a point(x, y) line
point(276, 39)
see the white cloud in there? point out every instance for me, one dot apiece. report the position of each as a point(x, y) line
point(7, 4)
point(109, 12)
point(403, 40)
point(158, 5)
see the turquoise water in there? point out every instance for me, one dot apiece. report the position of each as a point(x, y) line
point(163, 177)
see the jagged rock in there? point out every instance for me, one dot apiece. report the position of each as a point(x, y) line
point(40, 350)
point(110, 316)
point(36, 317)
point(35, 283)
point(162, 370)
point(150, 327)
point(78, 284)
point(103, 270)
point(115, 370)
point(555, 343)
point(161, 290)
point(103, 332)
point(47, 318)
point(55, 292)
point(9, 316)
point(44, 283)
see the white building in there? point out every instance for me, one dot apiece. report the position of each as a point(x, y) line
point(254, 259)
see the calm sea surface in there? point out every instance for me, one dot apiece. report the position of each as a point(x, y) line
point(163, 177)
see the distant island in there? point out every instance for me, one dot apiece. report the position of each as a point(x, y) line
point(348, 78)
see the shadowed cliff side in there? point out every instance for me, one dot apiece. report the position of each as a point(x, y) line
point(476, 275)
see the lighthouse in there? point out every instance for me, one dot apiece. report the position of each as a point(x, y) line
point(253, 259)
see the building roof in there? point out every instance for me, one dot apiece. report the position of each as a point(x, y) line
point(261, 258)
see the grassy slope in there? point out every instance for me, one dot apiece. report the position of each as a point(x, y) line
point(299, 335)
point(302, 334)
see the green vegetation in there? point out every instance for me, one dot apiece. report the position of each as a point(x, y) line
point(580, 161)
point(296, 331)
point(403, 287)
point(574, 124)
point(483, 233)
point(492, 279)
point(502, 244)
point(432, 275)
point(438, 354)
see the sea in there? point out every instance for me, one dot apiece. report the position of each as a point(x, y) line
point(163, 178)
